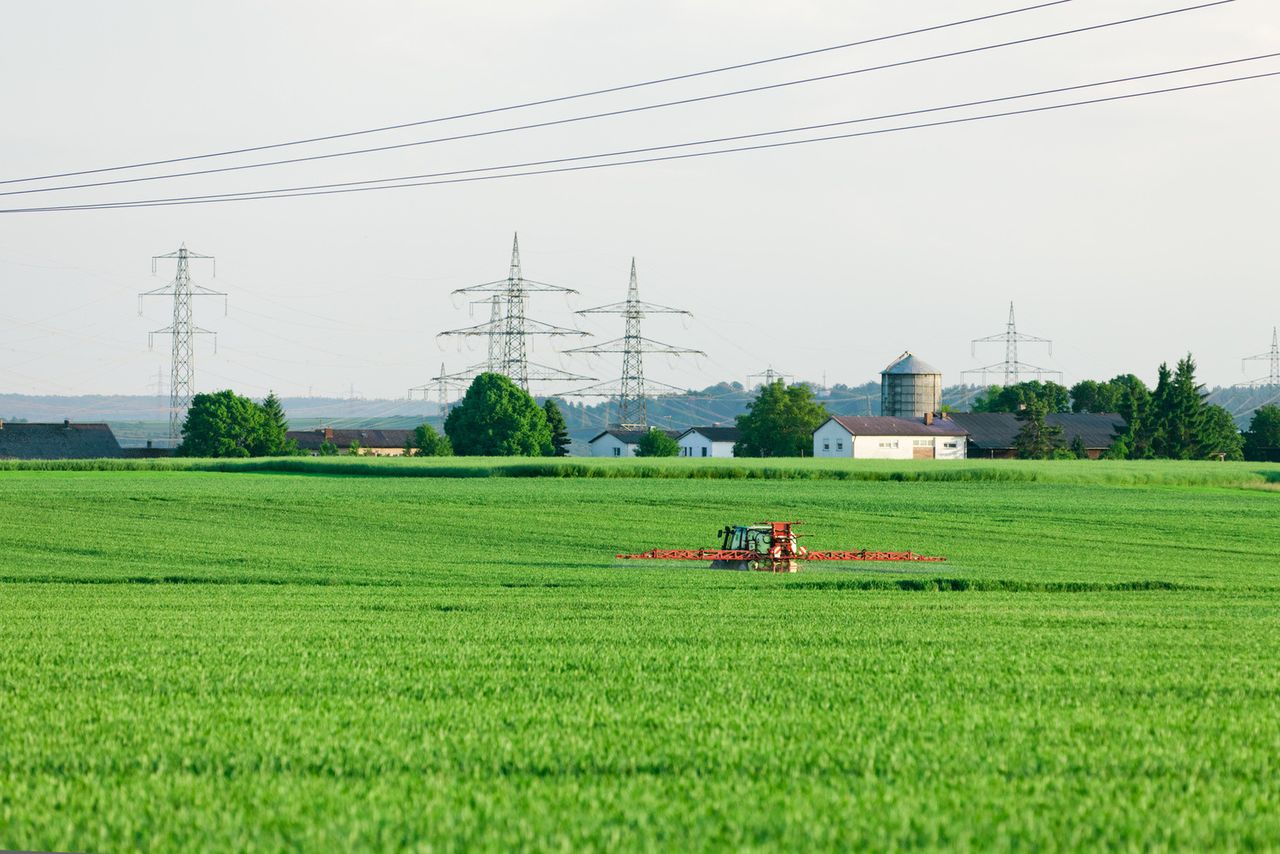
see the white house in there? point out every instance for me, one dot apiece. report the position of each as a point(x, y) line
point(707, 441)
point(882, 437)
point(617, 442)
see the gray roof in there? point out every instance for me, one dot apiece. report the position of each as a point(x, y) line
point(311, 440)
point(65, 441)
point(910, 364)
point(630, 437)
point(997, 430)
point(887, 425)
point(715, 434)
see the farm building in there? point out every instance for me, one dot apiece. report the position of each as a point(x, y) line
point(376, 443)
point(910, 387)
point(991, 434)
point(883, 437)
point(619, 442)
point(65, 441)
point(707, 441)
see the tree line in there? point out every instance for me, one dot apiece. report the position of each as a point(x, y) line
point(497, 418)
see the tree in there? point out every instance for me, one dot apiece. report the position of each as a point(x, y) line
point(779, 422)
point(656, 443)
point(274, 440)
point(354, 448)
point(559, 430)
point(428, 443)
point(1055, 397)
point(1218, 437)
point(1262, 439)
point(1078, 450)
point(497, 418)
point(328, 449)
point(1037, 439)
point(221, 424)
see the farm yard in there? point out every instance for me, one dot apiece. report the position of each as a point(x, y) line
point(399, 654)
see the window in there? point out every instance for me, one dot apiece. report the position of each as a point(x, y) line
point(950, 444)
point(922, 443)
point(892, 444)
point(826, 444)
point(617, 452)
point(704, 450)
point(840, 445)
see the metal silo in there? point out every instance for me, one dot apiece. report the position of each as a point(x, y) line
point(910, 387)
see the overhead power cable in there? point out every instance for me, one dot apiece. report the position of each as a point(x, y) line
point(681, 156)
point(623, 111)
point(552, 100)
point(711, 141)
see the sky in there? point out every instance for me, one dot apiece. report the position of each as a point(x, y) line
point(1129, 232)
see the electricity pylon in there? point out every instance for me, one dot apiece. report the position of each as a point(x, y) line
point(769, 376)
point(1011, 368)
point(182, 376)
point(631, 388)
point(1272, 356)
point(508, 335)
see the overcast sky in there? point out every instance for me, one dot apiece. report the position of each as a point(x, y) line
point(1129, 232)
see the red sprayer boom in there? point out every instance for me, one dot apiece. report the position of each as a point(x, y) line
point(769, 546)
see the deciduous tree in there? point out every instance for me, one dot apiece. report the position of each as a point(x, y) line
point(221, 424)
point(497, 418)
point(426, 442)
point(779, 422)
point(656, 443)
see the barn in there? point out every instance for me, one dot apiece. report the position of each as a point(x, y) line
point(64, 441)
point(991, 434)
point(883, 437)
point(708, 441)
point(373, 442)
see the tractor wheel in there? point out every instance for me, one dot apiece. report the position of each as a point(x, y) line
point(753, 565)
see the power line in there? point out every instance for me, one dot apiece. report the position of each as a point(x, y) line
point(546, 101)
point(716, 140)
point(619, 112)
point(146, 203)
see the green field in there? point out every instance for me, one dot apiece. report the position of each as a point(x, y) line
point(388, 655)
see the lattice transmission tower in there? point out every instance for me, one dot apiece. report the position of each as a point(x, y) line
point(183, 331)
point(509, 332)
point(1011, 369)
point(631, 388)
point(1272, 357)
point(769, 376)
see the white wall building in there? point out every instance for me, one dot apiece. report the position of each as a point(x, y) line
point(616, 442)
point(882, 437)
point(707, 441)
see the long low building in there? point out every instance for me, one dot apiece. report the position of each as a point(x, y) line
point(884, 437)
point(992, 434)
point(373, 442)
point(65, 441)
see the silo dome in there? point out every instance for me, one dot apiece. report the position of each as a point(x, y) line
point(910, 387)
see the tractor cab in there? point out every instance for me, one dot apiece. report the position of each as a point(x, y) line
point(774, 543)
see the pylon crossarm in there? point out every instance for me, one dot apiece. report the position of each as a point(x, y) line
point(641, 307)
point(620, 345)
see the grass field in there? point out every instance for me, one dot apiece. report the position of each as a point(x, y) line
point(342, 657)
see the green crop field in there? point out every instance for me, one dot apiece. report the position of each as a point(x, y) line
point(348, 655)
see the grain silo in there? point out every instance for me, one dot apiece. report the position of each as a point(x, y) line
point(910, 387)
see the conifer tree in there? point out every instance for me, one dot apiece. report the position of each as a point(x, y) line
point(559, 429)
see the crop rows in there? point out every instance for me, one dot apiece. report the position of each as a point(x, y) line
point(210, 661)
